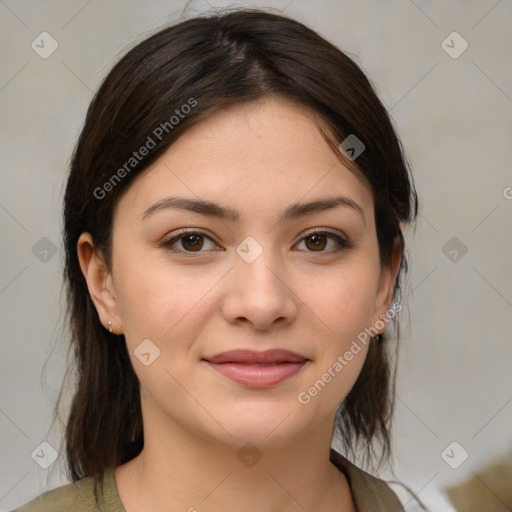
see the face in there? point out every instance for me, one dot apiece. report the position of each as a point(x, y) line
point(191, 282)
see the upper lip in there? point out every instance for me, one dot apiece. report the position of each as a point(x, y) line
point(275, 355)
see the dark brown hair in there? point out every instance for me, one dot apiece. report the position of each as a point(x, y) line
point(210, 62)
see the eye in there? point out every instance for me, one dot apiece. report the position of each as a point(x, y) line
point(191, 241)
point(318, 240)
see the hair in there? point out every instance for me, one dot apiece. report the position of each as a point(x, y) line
point(210, 62)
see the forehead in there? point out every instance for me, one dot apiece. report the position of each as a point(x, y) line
point(260, 154)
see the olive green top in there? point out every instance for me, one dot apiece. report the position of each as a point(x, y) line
point(370, 494)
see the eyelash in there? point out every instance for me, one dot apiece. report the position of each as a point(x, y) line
point(342, 242)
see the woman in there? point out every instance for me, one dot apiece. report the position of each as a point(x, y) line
point(234, 252)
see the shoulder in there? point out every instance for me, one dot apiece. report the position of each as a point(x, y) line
point(70, 497)
point(73, 497)
point(370, 493)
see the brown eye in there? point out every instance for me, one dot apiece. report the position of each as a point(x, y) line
point(317, 242)
point(190, 241)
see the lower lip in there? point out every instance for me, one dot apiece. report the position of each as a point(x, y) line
point(258, 376)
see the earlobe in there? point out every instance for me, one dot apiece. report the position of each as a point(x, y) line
point(99, 282)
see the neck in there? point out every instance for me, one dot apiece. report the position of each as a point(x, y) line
point(183, 471)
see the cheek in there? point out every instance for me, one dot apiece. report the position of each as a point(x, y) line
point(345, 302)
point(155, 297)
point(343, 307)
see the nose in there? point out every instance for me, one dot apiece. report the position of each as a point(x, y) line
point(259, 293)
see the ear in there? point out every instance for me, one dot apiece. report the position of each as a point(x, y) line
point(387, 283)
point(99, 282)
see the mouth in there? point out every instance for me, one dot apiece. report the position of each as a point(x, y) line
point(257, 369)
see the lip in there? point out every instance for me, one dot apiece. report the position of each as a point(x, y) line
point(274, 355)
point(257, 369)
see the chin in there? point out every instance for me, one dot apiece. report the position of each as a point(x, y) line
point(263, 425)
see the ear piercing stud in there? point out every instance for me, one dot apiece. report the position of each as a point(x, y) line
point(109, 326)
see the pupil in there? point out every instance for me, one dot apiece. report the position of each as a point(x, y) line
point(192, 240)
point(316, 241)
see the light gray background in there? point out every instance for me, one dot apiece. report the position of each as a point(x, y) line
point(455, 120)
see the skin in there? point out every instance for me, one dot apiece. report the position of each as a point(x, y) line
point(257, 158)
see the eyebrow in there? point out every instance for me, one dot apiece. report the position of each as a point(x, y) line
point(211, 209)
